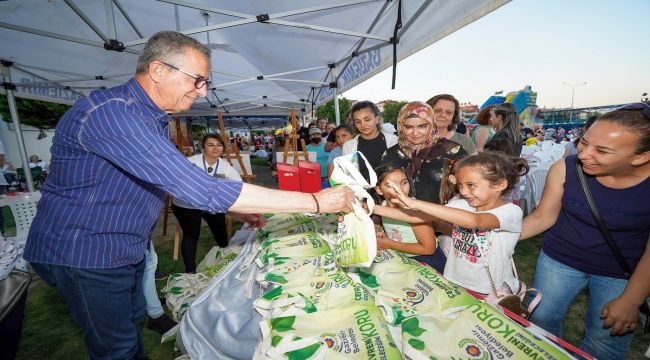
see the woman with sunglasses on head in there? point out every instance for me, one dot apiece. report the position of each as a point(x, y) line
point(614, 155)
point(189, 218)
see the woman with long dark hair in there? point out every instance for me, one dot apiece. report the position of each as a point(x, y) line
point(614, 155)
point(505, 121)
point(370, 140)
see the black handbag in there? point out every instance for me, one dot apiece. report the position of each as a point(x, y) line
point(12, 289)
point(644, 309)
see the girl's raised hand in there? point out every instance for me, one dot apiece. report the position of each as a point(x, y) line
point(400, 197)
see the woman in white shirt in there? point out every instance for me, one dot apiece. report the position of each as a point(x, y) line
point(35, 161)
point(188, 217)
point(370, 141)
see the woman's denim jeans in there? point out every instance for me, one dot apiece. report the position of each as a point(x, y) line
point(560, 284)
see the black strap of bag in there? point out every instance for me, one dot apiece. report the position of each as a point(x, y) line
point(599, 221)
point(645, 309)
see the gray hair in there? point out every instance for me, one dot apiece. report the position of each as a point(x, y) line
point(167, 46)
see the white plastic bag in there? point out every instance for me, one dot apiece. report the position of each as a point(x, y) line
point(346, 172)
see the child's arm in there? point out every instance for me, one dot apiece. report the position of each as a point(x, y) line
point(425, 235)
point(444, 227)
point(463, 218)
point(408, 215)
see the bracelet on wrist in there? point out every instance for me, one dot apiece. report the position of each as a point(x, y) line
point(317, 205)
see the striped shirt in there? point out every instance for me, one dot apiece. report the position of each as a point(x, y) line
point(112, 165)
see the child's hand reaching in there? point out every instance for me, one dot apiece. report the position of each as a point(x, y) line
point(401, 198)
point(383, 242)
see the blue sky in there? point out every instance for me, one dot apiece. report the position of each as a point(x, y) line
point(541, 43)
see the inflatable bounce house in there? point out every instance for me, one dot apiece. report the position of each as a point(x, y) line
point(525, 101)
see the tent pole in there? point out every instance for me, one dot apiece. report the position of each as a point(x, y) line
point(337, 116)
point(11, 101)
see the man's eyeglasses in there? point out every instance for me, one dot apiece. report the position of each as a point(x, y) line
point(199, 81)
point(637, 107)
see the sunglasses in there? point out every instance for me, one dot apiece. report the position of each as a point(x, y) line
point(209, 169)
point(637, 107)
point(199, 81)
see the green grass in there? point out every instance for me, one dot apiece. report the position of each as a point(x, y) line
point(49, 333)
point(259, 161)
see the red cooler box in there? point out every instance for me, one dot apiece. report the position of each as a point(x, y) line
point(309, 176)
point(288, 177)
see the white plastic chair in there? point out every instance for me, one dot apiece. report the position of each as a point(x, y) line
point(23, 207)
point(527, 151)
point(557, 152)
point(536, 179)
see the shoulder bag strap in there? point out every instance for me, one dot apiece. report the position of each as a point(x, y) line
point(599, 221)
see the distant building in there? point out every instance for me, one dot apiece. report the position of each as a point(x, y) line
point(469, 111)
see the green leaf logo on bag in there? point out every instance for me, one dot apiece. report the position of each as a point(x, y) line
point(417, 344)
point(274, 278)
point(274, 257)
point(309, 305)
point(412, 327)
point(304, 353)
point(268, 242)
point(176, 290)
point(282, 324)
point(273, 293)
point(368, 280)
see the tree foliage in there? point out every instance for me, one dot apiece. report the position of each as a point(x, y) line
point(327, 110)
point(36, 113)
point(391, 108)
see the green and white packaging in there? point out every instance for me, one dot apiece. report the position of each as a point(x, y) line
point(280, 250)
point(281, 221)
point(217, 259)
point(477, 332)
point(415, 291)
point(355, 332)
point(356, 241)
point(309, 272)
point(181, 290)
point(336, 291)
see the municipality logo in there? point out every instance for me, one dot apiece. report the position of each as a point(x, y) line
point(473, 350)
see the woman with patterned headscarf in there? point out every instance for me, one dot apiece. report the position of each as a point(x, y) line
point(420, 151)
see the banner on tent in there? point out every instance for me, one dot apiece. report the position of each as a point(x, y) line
point(359, 67)
point(45, 93)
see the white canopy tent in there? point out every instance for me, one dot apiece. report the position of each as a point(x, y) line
point(268, 57)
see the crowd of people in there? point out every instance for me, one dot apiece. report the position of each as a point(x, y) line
point(444, 198)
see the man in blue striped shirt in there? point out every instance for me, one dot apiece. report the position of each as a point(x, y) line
point(112, 166)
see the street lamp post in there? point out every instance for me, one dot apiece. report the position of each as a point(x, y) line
point(573, 91)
